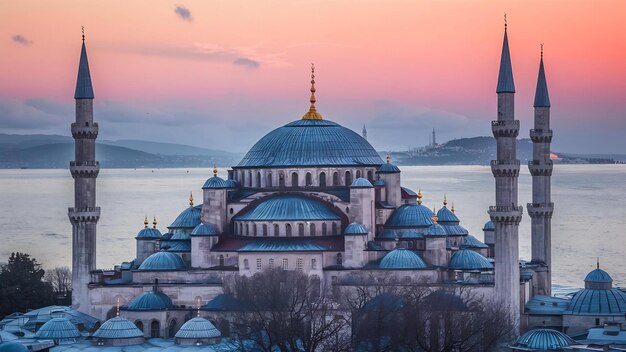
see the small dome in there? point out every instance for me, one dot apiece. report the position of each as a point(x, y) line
point(355, 229)
point(166, 236)
point(149, 233)
point(56, 329)
point(466, 259)
point(232, 183)
point(13, 347)
point(215, 182)
point(411, 215)
point(288, 207)
point(454, 230)
point(179, 235)
point(188, 219)
point(598, 301)
point(401, 258)
point(470, 241)
point(388, 168)
point(205, 230)
point(544, 339)
point(198, 328)
point(163, 261)
point(150, 300)
point(118, 328)
point(598, 276)
point(379, 182)
point(435, 230)
point(489, 226)
point(446, 215)
point(361, 183)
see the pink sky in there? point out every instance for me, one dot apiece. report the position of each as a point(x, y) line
point(430, 60)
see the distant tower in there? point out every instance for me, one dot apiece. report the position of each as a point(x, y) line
point(84, 215)
point(506, 214)
point(434, 144)
point(540, 210)
point(364, 132)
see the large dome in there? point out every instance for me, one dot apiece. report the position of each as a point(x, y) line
point(311, 143)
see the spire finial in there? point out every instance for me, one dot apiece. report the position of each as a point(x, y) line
point(419, 196)
point(452, 207)
point(541, 51)
point(445, 200)
point(154, 222)
point(117, 307)
point(505, 24)
point(435, 215)
point(597, 262)
point(214, 169)
point(198, 307)
point(388, 158)
point(190, 199)
point(82, 29)
point(145, 222)
point(312, 114)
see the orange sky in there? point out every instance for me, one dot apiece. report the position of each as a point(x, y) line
point(430, 60)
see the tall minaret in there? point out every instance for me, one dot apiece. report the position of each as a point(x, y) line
point(84, 215)
point(506, 214)
point(434, 139)
point(540, 210)
point(364, 133)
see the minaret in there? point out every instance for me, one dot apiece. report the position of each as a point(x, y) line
point(540, 210)
point(506, 214)
point(364, 133)
point(434, 139)
point(84, 215)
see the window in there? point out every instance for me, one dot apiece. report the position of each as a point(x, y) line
point(276, 230)
point(258, 179)
point(301, 230)
point(243, 178)
point(322, 179)
point(139, 325)
point(348, 178)
point(246, 264)
point(270, 263)
point(254, 229)
point(312, 230)
point(324, 229)
point(281, 180)
point(259, 264)
point(294, 179)
point(339, 259)
point(268, 181)
point(285, 264)
point(264, 230)
point(247, 229)
point(300, 264)
point(334, 228)
point(370, 175)
point(314, 264)
point(288, 230)
point(358, 173)
point(172, 328)
point(221, 260)
point(155, 329)
point(309, 179)
point(335, 178)
point(231, 210)
point(347, 210)
point(249, 178)
point(597, 321)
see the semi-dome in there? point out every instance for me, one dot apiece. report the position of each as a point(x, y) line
point(466, 259)
point(489, 226)
point(13, 346)
point(198, 328)
point(361, 183)
point(205, 230)
point(57, 329)
point(411, 215)
point(188, 219)
point(215, 182)
point(288, 207)
point(149, 233)
point(163, 260)
point(470, 241)
point(544, 339)
point(435, 230)
point(309, 142)
point(401, 258)
point(355, 229)
point(150, 300)
point(118, 328)
point(446, 215)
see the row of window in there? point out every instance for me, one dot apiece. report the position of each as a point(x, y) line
point(294, 182)
point(247, 229)
point(285, 263)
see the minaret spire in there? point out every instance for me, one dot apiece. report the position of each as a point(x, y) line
point(312, 114)
point(84, 90)
point(505, 75)
point(542, 99)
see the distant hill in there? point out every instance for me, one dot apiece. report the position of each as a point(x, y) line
point(160, 148)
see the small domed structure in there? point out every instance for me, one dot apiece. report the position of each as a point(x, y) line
point(489, 226)
point(411, 215)
point(12, 346)
point(543, 340)
point(205, 230)
point(149, 233)
point(388, 168)
point(598, 297)
point(163, 260)
point(435, 230)
point(355, 229)
point(401, 258)
point(197, 331)
point(118, 331)
point(361, 183)
point(598, 276)
point(466, 259)
point(58, 329)
point(150, 301)
point(446, 215)
point(216, 182)
point(188, 218)
point(232, 183)
point(470, 241)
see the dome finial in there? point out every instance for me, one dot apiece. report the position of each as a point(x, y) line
point(214, 169)
point(452, 209)
point(82, 29)
point(117, 307)
point(388, 158)
point(154, 222)
point(435, 219)
point(505, 22)
point(198, 307)
point(445, 200)
point(145, 222)
point(419, 197)
point(312, 114)
point(190, 199)
point(597, 262)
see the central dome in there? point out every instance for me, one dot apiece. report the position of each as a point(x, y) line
point(310, 142)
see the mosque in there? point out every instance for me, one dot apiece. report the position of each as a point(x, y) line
point(316, 197)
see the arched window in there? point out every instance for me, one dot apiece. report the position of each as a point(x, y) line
point(258, 179)
point(348, 178)
point(324, 229)
point(312, 230)
point(247, 229)
point(347, 210)
point(281, 180)
point(231, 211)
point(264, 230)
point(268, 181)
point(249, 178)
point(243, 179)
point(246, 264)
point(155, 329)
point(309, 179)
point(285, 263)
point(172, 328)
point(334, 228)
point(370, 175)
point(339, 259)
point(139, 325)
point(288, 230)
point(254, 230)
point(276, 230)
point(358, 173)
point(294, 179)
point(221, 263)
point(314, 264)
point(301, 230)
point(335, 178)
point(322, 179)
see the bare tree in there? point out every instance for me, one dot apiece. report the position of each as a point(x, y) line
point(60, 278)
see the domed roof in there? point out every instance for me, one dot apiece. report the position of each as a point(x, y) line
point(355, 229)
point(163, 261)
point(198, 328)
point(379, 182)
point(189, 218)
point(149, 233)
point(311, 143)
point(544, 339)
point(58, 328)
point(470, 241)
point(288, 207)
point(610, 301)
point(599, 276)
point(361, 183)
point(446, 215)
point(215, 182)
point(489, 226)
point(411, 215)
point(180, 235)
point(435, 230)
point(118, 328)
point(401, 258)
point(150, 300)
point(231, 183)
point(466, 259)
point(205, 230)
point(12, 347)
point(388, 168)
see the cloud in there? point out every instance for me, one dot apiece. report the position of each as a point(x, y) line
point(20, 39)
point(247, 63)
point(183, 13)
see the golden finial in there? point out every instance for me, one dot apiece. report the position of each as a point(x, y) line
point(388, 158)
point(118, 307)
point(452, 207)
point(597, 262)
point(445, 200)
point(145, 222)
point(419, 196)
point(435, 219)
point(154, 222)
point(214, 169)
point(505, 21)
point(198, 307)
point(312, 114)
point(190, 199)
point(542, 51)
point(82, 29)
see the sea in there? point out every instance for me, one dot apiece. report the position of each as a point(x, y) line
point(589, 219)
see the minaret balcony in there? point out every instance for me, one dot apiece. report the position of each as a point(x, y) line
point(506, 214)
point(80, 169)
point(505, 168)
point(541, 136)
point(540, 210)
point(508, 128)
point(541, 167)
point(84, 215)
point(85, 131)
